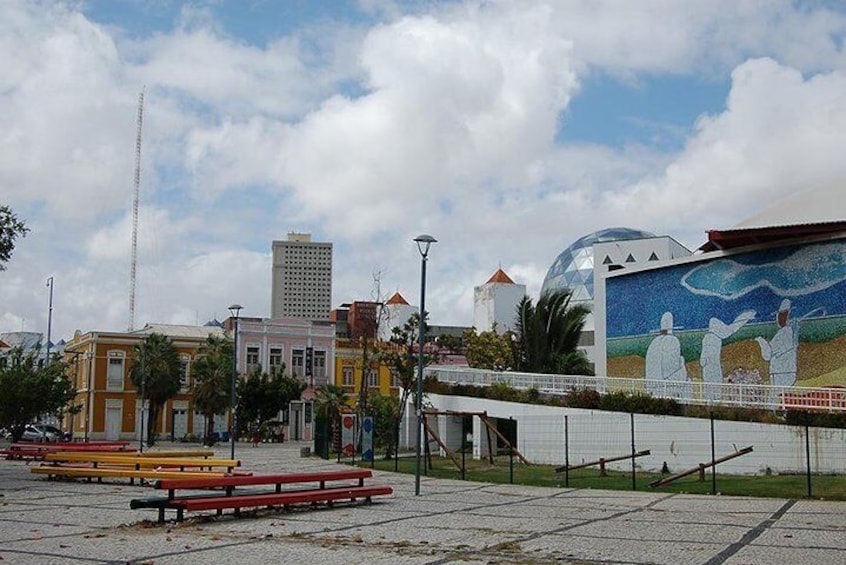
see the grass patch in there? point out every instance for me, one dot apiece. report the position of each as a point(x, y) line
point(827, 487)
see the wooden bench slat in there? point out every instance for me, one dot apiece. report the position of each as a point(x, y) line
point(57, 470)
point(283, 498)
point(285, 478)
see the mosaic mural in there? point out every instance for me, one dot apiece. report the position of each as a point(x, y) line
point(776, 316)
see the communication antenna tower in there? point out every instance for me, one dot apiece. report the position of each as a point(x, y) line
point(135, 211)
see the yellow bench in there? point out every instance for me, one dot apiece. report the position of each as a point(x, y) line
point(132, 474)
point(139, 462)
point(175, 453)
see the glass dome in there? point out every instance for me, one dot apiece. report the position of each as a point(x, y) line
point(573, 268)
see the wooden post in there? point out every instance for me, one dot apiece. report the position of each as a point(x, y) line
point(602, 472)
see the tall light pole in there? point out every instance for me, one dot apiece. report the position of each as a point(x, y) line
point(423, 242)
point(49, 318)
point(235, 310)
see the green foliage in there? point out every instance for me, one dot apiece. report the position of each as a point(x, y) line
point(262, 395)
point(31, 389)
point(385, 411)
point(157, 374)
point(582, 398)
point(488, 350)
point(400, 355)
point(548, 335)
point(815, 419)
point(10, 229)
point(212, 374)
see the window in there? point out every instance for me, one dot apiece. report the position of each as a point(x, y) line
point(319, 365)
point(298, 362)
point(372, 378)
point(395, 379)
point(275, 358)
point(115, 372)
point(253, 352)
point(184, 361)
point(348, 376)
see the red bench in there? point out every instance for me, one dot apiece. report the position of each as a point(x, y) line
point(252, 499)
point(39, 450)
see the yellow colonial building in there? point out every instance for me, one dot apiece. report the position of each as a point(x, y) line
point(349, 370)
point(110, 404)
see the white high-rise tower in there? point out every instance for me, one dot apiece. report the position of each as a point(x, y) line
point(302, 278)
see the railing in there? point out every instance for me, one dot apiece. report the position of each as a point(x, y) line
point(688, 392)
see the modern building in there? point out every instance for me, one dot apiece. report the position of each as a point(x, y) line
point(110, 405)
point(603, 251)
point(761, 305)
point(495, 303)
point(356, 320)
point(301, 285)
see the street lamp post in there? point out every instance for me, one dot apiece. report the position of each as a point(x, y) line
point(235, 310)
point(423, 241)
point(49, 319)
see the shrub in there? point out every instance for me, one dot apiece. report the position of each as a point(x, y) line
point(582, 398)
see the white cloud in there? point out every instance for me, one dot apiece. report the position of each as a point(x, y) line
point(442, 119)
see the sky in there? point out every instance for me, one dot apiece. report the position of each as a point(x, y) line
point(506, 130)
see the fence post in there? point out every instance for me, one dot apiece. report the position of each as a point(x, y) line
point(463, 447)
point(713, 458)
point(396, 446)
point(808, 452)
point(634, 475)
point(566, 454)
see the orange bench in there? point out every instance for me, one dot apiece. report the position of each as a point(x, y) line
point(251, 499)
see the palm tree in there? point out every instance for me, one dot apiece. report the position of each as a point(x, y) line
point(212, 374)
point(548, 335)
point(157, 374)
point(329, 400)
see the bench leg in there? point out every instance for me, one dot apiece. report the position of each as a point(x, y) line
point(180, 514)
point(161, 515)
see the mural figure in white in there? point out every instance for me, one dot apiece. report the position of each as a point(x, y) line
point(664, 361)
point(781, 350)
point(712, 348)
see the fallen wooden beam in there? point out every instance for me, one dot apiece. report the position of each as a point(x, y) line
point(601, 462)
point(700, 468)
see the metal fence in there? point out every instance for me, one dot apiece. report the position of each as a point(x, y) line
point(688, 392)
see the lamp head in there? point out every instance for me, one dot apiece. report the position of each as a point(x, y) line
point(235, 309)
point(423, 242)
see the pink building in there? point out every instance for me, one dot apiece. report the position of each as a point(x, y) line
point(305, 347)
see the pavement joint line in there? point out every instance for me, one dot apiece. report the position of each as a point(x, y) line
point(751, 535)
point(56, 555)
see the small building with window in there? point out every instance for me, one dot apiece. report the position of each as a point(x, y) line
point(306, 350)
point(110, 405)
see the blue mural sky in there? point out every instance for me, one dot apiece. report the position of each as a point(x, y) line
point(812, 277)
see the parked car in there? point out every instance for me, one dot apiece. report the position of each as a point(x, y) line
point(42, 432)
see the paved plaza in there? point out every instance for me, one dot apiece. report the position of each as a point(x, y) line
point(469, 523)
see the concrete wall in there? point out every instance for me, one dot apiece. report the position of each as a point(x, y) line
point(680, 442)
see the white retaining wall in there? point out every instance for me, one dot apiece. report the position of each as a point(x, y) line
point(680, 442)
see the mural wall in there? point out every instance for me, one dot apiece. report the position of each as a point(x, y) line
point(776, 316)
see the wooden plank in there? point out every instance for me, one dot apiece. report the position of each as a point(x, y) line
point(601, 461)
point(143, 461)
point(56, 470)
point(284, 498)
point(286, 478)
point(700, 468)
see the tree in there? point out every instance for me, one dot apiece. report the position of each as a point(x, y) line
point(400, 355)
point(10, 229)
point(31, 389)
point(211, 374)
point(157, 374)
point(329, 401)
point(548, 335)
point(261, 396)
point(489, 349)
point(384, 409)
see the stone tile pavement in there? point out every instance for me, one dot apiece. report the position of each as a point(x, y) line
point(44, 522)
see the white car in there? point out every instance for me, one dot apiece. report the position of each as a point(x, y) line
point(38, 432)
